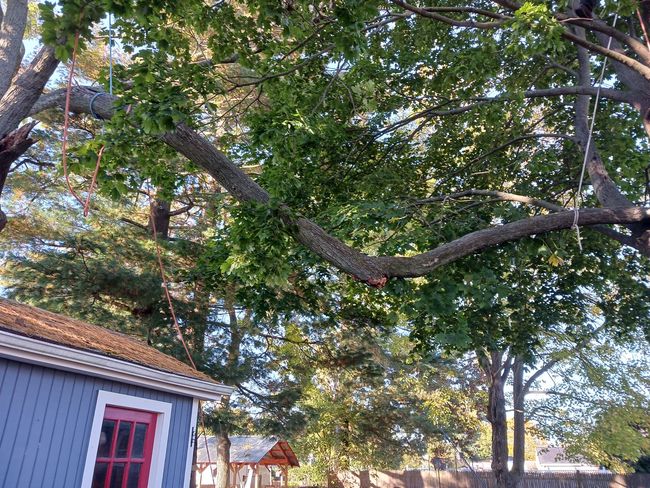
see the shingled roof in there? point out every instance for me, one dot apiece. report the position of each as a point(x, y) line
point(250, 449)
point(46, 326)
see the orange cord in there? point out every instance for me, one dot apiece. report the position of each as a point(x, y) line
point(91, 188)
point(66, 121)
point(169, 298)
point(177, 326)
point(86, 206)
point(64, 143)
point(645, 31)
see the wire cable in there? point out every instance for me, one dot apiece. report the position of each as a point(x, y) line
point(576, 210)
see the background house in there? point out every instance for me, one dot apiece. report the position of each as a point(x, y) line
point(556, 460)
point(255, 461)
point(82, 406)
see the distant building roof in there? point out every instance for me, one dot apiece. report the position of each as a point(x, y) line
point(49, 327)
point(557, 455)
point(247, 449)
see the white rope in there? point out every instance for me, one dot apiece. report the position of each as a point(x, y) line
point(576, 210)
point(110, 54)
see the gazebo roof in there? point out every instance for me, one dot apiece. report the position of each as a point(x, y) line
point(248, 449)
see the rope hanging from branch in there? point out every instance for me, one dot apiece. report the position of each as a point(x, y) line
point(66, 121)
point(576, 210)
point(66, 124)
point(179, 333)
point(86, 203)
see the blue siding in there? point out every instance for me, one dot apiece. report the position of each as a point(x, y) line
point(45, 421)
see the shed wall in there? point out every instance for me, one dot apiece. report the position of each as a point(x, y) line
point(45, 422)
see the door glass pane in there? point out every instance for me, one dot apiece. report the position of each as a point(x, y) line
point(99, 475)
point(122, 444)
point(106, 438)
point(117, 475)
point(134, 475)
point(138, 441)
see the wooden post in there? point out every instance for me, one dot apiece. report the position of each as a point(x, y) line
point(251, 480)
point(257, 477)
point(234, 472)
point(285, 475)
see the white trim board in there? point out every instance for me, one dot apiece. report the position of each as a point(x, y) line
point(164, 411)
point(43, 353)
point(190, 444)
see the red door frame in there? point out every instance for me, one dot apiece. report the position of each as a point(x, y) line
point(120, 414)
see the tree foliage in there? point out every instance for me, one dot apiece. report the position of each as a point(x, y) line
point(318, 163)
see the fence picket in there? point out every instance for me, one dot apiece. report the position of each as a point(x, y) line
point(445, 479)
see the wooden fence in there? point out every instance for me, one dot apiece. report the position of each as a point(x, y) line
point(444, 479)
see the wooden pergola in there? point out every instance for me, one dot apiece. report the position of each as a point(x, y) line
point(251, 453)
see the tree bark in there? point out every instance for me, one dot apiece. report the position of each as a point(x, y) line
point(11, 148)
point(519, 442)
point(159, 217)
point(496, 372)
point(607, 192)
point(12, 29)
point(21, 96)
point(17, 99)
point(222, 463)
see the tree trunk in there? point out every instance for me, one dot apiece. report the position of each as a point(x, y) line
point(519, 443)
point(222, 463)
point(222, 479)
point(497, 419)
point(497, 372)
point(159, 218)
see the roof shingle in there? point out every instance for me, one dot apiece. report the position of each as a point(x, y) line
point(46, 326)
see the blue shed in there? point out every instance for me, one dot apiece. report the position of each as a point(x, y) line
point(83, 406)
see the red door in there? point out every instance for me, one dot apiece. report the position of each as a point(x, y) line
point(125, 448)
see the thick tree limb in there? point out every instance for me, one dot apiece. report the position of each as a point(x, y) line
point(12, 146)
point(372, 270)
point(499, 195)
point(17, 103)
point(432, 14)
point(597, 25)
point(553, 207)
point(605, 189)
point(610, 93)
point(613, 54)
point(11, 40)
point(409, 267)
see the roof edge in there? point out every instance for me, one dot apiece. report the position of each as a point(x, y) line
point(43, 353)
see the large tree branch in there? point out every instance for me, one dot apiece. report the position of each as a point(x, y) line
point(610, 93)
point(549, 364)
point(26, 90)
point(536, 202)
point(372, 270)
point(433, 14)
point(627, 61)
point(437, 111)
point(11, 41)
point(408, 267)
point(499, 195)
point(597, 25)
point(607, 192)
